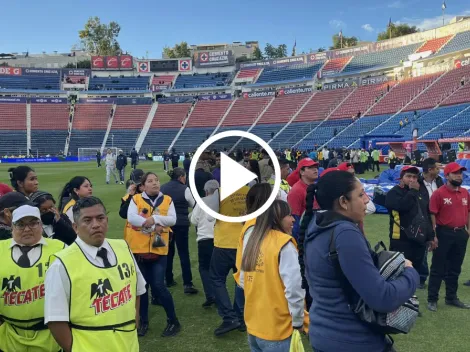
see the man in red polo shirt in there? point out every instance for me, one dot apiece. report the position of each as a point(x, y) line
point(449, 207)
point(308, 173)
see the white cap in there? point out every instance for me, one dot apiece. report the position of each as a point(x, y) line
point(24, 211)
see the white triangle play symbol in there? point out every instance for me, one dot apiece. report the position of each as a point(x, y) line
point(233, 176)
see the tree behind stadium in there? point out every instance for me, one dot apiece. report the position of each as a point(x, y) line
point(397, 30)
point(100, 38)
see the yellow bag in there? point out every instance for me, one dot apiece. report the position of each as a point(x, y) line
point(296, 344)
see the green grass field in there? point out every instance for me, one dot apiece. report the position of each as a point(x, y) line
point(446, 330)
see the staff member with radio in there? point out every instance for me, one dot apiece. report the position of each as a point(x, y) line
point(25, 259)
point(449, 209)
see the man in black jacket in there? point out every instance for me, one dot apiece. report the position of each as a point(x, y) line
point(429, 182)
point(121, 163)
point(98, 158)
point(402, 203)
point(134, 158)
point(175, 158)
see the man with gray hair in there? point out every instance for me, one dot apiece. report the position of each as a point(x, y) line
point(205, 238)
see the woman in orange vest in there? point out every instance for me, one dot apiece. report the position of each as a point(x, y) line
point(151, 213)
point(270, 277)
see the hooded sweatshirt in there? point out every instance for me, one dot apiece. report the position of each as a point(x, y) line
point(333, 326)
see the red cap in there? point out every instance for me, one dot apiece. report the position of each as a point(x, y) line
point(453, 167)
point(345, 166)
point(307, 162)
point(4, 189)
point(406, 168)
point(329, 170)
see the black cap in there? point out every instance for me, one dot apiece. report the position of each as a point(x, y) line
point(136, 176)
point(36, 195)
point(13, 200)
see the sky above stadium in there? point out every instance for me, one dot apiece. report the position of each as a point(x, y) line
point(147, 26)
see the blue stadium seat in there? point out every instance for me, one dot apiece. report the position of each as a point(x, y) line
point(119, 83)
point(30, 82)
point(202, 80)
point(288, 73)
point(461, 41)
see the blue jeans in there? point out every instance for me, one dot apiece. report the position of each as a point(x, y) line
point(260, 345)
point(154, 273)
point(222, 261)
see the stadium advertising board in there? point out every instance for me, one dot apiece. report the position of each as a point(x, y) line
point(96, 100)
point(143, 66)
point(162, 65)
point(185, 65)
point(300, 90)
point(10, 100)
point(317, 57)
point(294, 60)
point(461, 63)
point(159, 87)
point(364, 49)
point(123, 62)
point(374, 80)
point(215, 97)
point(204, 59)
point(10, 71)
point(76, 72)
point(49, 100)
point(175, 100)
point(259, 94)
point(41, 71)
point(341, 84)
point(134, 101)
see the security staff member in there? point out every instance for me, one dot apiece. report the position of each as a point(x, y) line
point(449, 209)
point(107, 319)
point(25, 259)
point(284, 188)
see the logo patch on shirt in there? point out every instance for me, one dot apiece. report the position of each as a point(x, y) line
point(464, 201)
point(447, 201)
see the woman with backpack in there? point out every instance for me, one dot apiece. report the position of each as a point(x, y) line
point(334, 326)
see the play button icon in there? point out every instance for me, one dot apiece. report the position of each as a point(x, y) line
point(234, 176)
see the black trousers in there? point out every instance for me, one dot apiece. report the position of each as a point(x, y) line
point(134, 163)
point(174, 164)
point(447, 262)
point(204, 251)
point(98, 161)
point(376, 164)
point(181, 241)
point(412, 251)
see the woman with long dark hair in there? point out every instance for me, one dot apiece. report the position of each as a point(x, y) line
point(333, 325)
point(253, 166)
point(78, 187)
point(270, 276)
point(24, 180)
point(151, 214)
point(54, 224)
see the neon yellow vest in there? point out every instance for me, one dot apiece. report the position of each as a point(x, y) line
point(284, 185)
point(22, 301)
point(106, 320)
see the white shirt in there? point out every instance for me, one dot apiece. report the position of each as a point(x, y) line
point(189, 197)
point(203, 222)
point(135, 219)
point(57, 283)
point(110, 160)
point(34, 254)
point(69, 213)
point(289, 270)
point(431, 187)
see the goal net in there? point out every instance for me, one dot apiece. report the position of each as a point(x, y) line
point(89, 154)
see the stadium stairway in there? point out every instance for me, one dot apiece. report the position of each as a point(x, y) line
point(201, 123)
point(108, 129)
point(146, 127)
point(446, 127)
point(164, 127)
point(126, 125)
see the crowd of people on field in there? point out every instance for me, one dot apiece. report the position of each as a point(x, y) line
point(304, 265)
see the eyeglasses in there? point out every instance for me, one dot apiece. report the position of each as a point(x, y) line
point(33, 225)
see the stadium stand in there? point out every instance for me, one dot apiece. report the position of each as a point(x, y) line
point(458, 43)
point(449, 121)
point(89, 126)
point(460, 96)
point(322, 104)
point(361, 100)
point(165, 125)
point(335, 65)
point(202, 122)
point(324, 133)
point(434, 45)
point(289, 73)
point(30, 82)
point(247, 73)
point(436, 94)
point(386, 58)
point(402, 94)
point(127, 123)
point(159, 81)
point(119, 83)
point(13, 129)
point(245, 111)
point(49, 128)
point(202, 80)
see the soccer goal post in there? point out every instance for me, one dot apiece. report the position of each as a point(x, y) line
point(89, 154)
